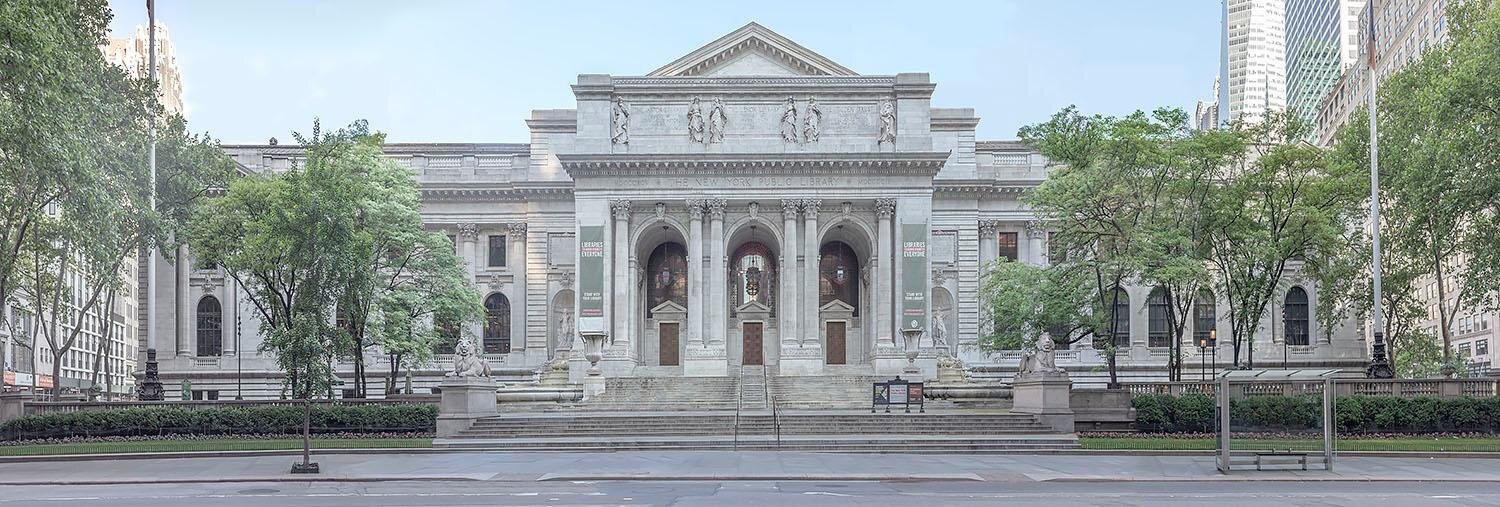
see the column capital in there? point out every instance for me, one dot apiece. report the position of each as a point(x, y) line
point(468, 231)
point(789, 208)
point(885, 208)
point(988, 228)
point(516, 228)
point(695, 208)
point(1034, 229)
point(620, 208)
point(810, 208)
point(716, 208)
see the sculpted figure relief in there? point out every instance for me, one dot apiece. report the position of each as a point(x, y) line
point(695, 121)
point(940, 328)
point(887, 123)
point(621, 133)
point(717, 121)
point(812, 122)
point(789, 121)
point(466, 363)
point(1041, 361)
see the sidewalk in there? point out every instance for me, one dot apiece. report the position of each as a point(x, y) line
point(721, 466)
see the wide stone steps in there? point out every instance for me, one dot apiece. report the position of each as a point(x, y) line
point(881, 444)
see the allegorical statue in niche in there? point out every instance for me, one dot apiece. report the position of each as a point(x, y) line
point(621, 134)
point(789, 121)
point(717, 121)
point(1042, 361)
point(695, 121)
point(940, 329)
point(812, 122)
point(887, 123)
point(564, 329)
point(468, 363)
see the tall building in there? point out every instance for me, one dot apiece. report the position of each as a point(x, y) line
point(1206, 115)
point(1403, 30)
point(750, 203)
point(133, 54)
point(1322, 39)
point(1252, 69)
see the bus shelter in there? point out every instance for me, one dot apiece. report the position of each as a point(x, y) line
point(1234, 387)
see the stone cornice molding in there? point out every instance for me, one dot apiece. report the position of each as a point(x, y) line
point(885, 82)
point(982, 186)
point(470, 193)
point(752, 38)
point(922, 163)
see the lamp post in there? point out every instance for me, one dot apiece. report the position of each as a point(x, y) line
point(1204, 342)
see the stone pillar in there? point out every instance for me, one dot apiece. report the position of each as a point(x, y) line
point(811, 331)
point(226, 314)
point(184, 307)
point(789, 276)
point(1036, 243)
point(889, 356)
point(695, 332)
point(718, 299)
point(621, 286)
point(988, 244)
point(468, 235)
point(515, 261)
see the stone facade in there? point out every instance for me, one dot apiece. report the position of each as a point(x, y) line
point(751, 202)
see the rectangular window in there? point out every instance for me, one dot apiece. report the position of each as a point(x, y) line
point(1482, 347)
point(453, 239)
point(497, 251)
point(1009, 247)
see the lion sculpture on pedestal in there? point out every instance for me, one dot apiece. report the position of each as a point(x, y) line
point(1042, 361)
point(467, 363)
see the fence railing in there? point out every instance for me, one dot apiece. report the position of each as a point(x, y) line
point(1436, 388)
point(50, 407)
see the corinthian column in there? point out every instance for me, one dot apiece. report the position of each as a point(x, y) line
point(695, 330)
point(988, 242)
point(789, 275)
point(885, 209)
point(717, 299)
point(184, 307)
point(810, 324)
point(620, 312)
point(515, 244)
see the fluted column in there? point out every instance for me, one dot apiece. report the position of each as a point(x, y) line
point(226, 314)
point(988, 242)
point(695, 331)
point(468, 235)
point(885, 209)
point(515, 261)
point(789, 274)
point(184, 307)
point(810, 325)
point(718, 299)
point(621, 286)
point(1036, 243)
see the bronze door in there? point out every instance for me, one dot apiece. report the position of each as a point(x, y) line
point(835, 348)
point(667, 334)
point(752, 343)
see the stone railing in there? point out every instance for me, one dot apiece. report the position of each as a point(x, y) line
point(51, 407)
point(1438, 388)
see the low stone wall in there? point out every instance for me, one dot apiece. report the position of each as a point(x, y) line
point(1102, 410)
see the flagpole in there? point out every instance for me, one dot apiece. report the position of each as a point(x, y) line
point(1380, 365)
point(150, 388)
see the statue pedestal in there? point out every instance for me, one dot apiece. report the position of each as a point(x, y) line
point(889, 360)
point(593, 385)
point(1045, 395)
point(464, 399)
point(707, 361)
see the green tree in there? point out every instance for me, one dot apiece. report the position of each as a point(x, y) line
point(1023, 301)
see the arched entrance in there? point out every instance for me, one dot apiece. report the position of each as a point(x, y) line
point(754, 286)
point(845, 302)
point(659, 300)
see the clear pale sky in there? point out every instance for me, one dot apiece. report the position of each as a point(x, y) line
point(471, 71)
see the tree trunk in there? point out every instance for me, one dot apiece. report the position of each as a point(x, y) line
point(1443, 319)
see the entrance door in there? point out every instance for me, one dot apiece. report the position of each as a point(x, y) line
point(667, 334)
point(752, 343)
point(835, 348)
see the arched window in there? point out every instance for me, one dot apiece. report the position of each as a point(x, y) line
point(1121, 318)
point(754, 276)
point(496, 324)
point(838, 270)
point(666, 276)
point(210, 327)
point(1204, 318)
point(1294, 315)
point(1158, 333)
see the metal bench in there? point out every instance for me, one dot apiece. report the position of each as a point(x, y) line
point(1275, 457)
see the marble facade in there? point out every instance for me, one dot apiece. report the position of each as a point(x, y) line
point(751, 147)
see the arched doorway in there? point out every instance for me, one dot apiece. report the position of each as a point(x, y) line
point(754, 292)
point(666, 281)
point(838, 298)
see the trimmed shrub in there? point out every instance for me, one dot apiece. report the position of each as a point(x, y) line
point(1352, 414)
point(229, 420)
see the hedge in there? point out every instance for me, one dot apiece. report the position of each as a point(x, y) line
point(255, 420)
point(1194, 413)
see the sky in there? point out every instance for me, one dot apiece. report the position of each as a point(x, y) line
point(471, 71)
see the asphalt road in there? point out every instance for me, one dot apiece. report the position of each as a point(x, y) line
point(865, 494)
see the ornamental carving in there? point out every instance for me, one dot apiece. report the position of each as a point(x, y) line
point(789, 121)
point(885, 208)
point(717, 122)
point(468, 231)
point(754, 209)
point(661, 210)
point(621, 119)
point(789, 208)
point(887, 123)
point(716, 208)
point(620, 208)
point(810, 208)
point(565, 279)
point(812, 122)
point(988, 228)
point(1034, 230)
point(695, 122)
point(516, 228)
point(695, 208)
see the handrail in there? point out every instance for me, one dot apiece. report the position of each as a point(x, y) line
point(771, 400)
point(739, 402)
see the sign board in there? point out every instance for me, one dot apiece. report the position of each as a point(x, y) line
point(914, 276)
point(897, 392)
point(591, 277)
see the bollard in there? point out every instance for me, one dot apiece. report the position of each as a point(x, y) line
point(306, 466)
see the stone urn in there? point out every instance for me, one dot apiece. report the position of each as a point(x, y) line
point(911, 339)
point(593, 350)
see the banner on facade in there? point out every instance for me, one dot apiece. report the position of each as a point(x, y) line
point(914, 276)
point(591, 277)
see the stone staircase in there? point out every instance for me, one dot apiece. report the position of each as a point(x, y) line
point(844, 431)
point(753, 388)
point(661, 394)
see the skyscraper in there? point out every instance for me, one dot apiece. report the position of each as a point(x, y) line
point(1206, 115)
point(1322, 39)
point(1252, 69)
point(1403, 30)
point(131, 54)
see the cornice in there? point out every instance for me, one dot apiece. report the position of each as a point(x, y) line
point(912, 163)
point(983, 186)
point(479, 193)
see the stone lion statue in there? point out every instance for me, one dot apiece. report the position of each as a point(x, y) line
point(1041, 361)
point(467, 363)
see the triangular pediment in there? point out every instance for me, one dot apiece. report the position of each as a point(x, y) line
point(668, 306)
point(837, 306)
point(753, 306)
point(753, 50)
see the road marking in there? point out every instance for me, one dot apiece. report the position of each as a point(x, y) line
point(825, 493)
